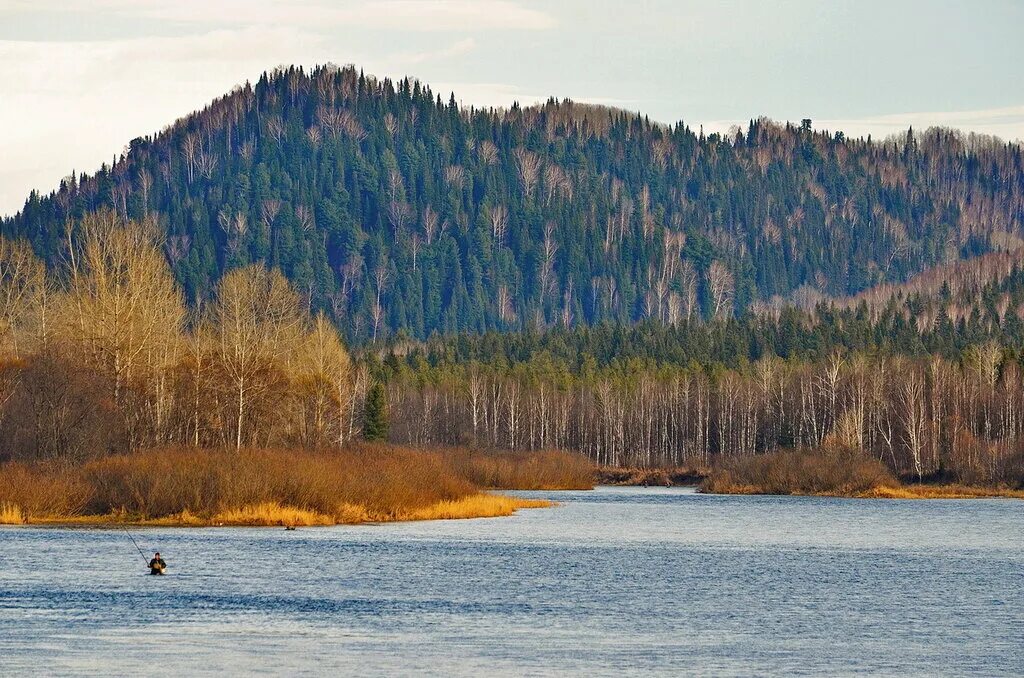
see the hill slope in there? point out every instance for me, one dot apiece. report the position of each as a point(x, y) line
point(398, 212)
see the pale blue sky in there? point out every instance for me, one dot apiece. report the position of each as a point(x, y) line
point(80, 79)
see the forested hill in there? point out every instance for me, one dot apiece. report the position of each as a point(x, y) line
point(397, 211)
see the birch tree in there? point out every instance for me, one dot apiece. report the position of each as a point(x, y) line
point(22, 294)
point(122, 302)
point(256, 323)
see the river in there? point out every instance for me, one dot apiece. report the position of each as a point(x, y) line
point(614, 581)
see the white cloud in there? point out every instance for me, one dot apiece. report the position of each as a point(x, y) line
point(404, 15)
point(502, 95)
point(1006, 123)
point(456, 49)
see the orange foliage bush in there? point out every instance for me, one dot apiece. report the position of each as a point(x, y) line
point(41, 490)
point(541, 470)
point(259, 486)
point(383, 479)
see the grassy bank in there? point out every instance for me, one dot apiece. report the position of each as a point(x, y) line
point(944, 491)
point(835, 472)
point(365, 483)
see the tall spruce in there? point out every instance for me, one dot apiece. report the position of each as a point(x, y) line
point(375, 414)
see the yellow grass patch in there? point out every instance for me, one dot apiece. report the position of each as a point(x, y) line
point(476, 506)
point(351, 514)
point(270, 513)
point(10, 514)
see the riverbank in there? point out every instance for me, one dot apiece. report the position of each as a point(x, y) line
point(483, 505)
point(833, 473)
point(922, 491)
point(911, 491)
point(361, 484)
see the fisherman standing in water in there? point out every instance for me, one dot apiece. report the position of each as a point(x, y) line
point(157, 565)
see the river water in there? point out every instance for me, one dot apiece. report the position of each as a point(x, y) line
point(614, 581)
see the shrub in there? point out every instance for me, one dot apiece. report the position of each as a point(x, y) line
point(833, 470)
point(42, 490)
point(61, 412)
point(541, 470)
point(259, 486)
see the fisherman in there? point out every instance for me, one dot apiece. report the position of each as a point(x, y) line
point(157, 565)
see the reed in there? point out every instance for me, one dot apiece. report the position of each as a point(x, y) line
point(11, 514)
point(43, 489)
point(476, 506)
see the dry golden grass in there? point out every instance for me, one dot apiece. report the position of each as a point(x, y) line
point(270, 513)
point(476, 506)
point(351, 514)
point(834, 473)
point(10, 514)
point(939, 492)
point(189, 487)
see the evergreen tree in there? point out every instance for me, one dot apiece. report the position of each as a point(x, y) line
point(375, 414)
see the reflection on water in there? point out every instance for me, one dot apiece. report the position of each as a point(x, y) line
point(612, 581)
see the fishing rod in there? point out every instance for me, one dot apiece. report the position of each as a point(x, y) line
point(136, 544)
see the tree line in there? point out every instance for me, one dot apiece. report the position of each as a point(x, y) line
point(924, 418)
point(103, 355)
point(924, 376)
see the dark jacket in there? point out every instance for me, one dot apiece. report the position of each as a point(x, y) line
point(157, 565)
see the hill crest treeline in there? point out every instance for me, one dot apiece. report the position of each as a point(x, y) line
point(399, 213)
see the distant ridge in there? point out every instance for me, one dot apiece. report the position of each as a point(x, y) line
point(402, 214)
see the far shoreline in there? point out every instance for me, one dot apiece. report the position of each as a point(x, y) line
point(699, 479)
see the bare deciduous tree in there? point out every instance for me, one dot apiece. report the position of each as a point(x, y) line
point(22, 294)
point(528, 163)
point(122, 302)
point(720, 289)
point(256, 323)
point(324, 374)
